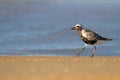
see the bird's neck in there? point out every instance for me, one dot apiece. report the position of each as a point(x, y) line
point(79, 32)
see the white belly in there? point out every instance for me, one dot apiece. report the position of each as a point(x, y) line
point(100, 42)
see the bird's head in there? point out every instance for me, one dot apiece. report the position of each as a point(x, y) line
point(78, 27)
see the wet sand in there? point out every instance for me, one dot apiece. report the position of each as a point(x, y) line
point(59, 68)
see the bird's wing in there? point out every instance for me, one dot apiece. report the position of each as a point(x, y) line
point(90, 35)
point(94, 36)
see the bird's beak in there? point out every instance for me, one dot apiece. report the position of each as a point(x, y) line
point(73, 28)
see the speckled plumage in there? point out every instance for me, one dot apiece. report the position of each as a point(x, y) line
point(89, 37)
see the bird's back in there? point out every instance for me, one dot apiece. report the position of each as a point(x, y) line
point(91, 37)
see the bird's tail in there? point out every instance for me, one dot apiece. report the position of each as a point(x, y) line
point(109, 39)
point(103, 38)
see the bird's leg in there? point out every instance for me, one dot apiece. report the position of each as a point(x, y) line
point(82, 49)
point(93, 51)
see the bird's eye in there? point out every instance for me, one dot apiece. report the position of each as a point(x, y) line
point(78, 26)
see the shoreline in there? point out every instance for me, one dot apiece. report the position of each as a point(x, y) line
point(59, 68)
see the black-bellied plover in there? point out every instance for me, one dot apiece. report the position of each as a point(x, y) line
point(89, 37)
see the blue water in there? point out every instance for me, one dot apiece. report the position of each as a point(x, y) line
point(41, 28)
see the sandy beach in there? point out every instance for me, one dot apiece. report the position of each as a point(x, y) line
point(59, 68)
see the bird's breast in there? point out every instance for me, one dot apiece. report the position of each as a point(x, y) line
point(83, 32)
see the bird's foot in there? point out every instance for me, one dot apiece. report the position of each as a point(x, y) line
point(78, 54)
point(92, 55)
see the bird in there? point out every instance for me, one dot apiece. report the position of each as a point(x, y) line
point(89, 37)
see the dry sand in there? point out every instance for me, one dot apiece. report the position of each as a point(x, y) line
point(59, 68)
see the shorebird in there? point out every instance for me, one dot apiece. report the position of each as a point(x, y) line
point(89, 37)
